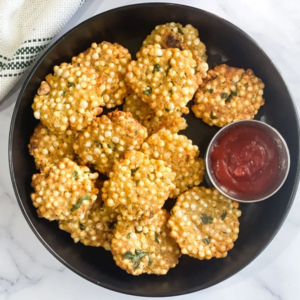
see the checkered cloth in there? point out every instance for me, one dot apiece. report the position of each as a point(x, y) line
point(26, 28)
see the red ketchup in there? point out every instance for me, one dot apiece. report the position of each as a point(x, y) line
point(245, 160)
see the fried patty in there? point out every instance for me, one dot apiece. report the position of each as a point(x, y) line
point(174, 35)
point(108, 138)
point(138, 186)
point(180, 154)
point(140, 247)
point(146, 116)
point(205, 223)
point(228, 94)
point(164, 79)
point(48, 147)
point(66, 191)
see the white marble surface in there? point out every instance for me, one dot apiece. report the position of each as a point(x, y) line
point(29, 271)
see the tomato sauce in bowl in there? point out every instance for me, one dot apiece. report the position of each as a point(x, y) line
point(245, 160)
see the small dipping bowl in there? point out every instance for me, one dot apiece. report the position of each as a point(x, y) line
point(283, 168)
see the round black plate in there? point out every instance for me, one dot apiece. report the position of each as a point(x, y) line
point(225, 44)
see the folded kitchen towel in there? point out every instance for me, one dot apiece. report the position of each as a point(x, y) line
point(26, 28)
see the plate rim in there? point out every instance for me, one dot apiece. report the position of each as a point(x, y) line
point(20, 202)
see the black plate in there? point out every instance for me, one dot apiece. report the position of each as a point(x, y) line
point(225, 43)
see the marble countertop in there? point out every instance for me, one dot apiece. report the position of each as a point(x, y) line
point(29, 271)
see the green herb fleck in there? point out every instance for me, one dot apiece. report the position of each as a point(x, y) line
point(111, 225)
point(196, 69)
point(167, 110)
point(233, 93)
point(156, 238)
point(168, 68)
point(136, 258)
point(109, 146)
point(224, 95)
point(171, 92)
point(81, 226)
point(134, 170)
point(97, 68)
point(228, 100)
point(102, 94)
point(63, 93)
point(206, 219)
point(71, 84)
point(79, 202)
point(180, 31)
point(156, 68)
point(212, 116)
point(114, 148)
point(210, 90)
point(137, 182)
point(148, 91)
point(128, 236)
point(136, 132)
point(223, 216)
point(128, 255)
point(150, 261)
point(75, 175)
point(206, 241)
point(77, 111)
point(98, 144)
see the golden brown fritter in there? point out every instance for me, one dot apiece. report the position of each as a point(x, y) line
point(165, 79)
point(174, 35)
point(72, 96)
point(69, 99)
point(146, 116)
point(140, 110)
point(108, 138)
point(138, 186)
point(67, 191)
point(228, 94)
point(204, 223)
point(110, 62)
point(180, 154)
point(49, 147)
point(140, 247)
point(96, 228)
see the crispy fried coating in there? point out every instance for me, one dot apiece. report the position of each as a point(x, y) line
point(48, 147)
point(228, 94)
point(204, 223)
point(174, 35)
point(67, 191)
point(96, 228)
point(72, 96)
point(107, 139)
point(165, 79)
point(172, 121)
point(138, 186)
point(69, 99)
point(146, 116)
point(110, 62)
point(180, 154)
point(140, 110)
point(140, 247)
